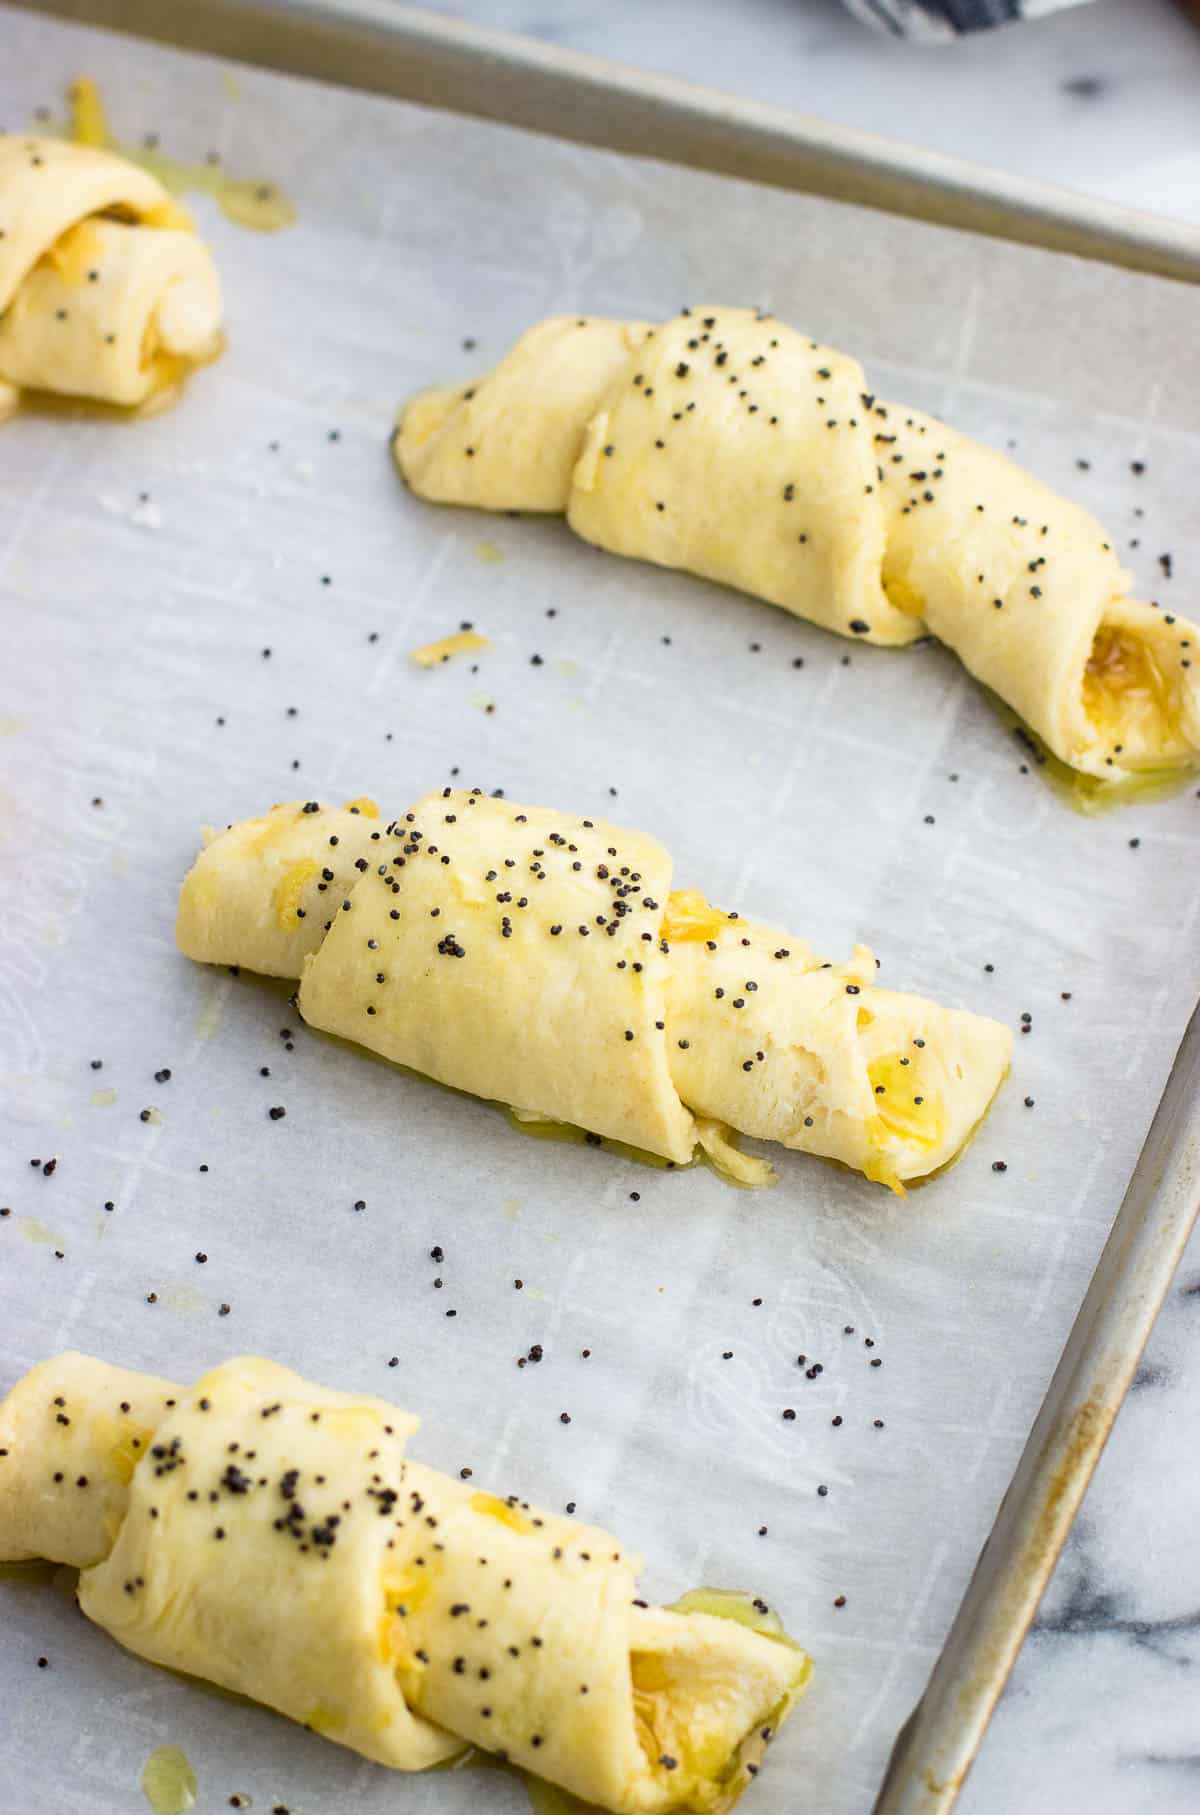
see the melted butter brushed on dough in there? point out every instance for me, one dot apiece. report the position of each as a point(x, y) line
point(106, 292)
point(478, 989)
point(260, 893)
point(251, 202)
point(542, 960)
point(742, 452)
point(275, 1539)
point(510, 440)
point(729, 445)
point(777, 1043)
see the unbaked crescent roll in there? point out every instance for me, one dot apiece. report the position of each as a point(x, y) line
point(511, 441)
point(272, 1536)
point(106, 291)
point(544, 961)
point(728, 444)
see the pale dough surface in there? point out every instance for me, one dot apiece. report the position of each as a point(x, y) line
point(1020, 583)
point(262, 892)
point(106, 292)
point(544, 961)
point(272, 1536)
point(730, 445)
point(772, 1041)
point(737, 451)
point(66, 1468)
point(520, 955)
point(510, 441)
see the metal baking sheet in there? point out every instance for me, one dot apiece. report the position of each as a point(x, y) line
point(936, 1747)
point(866, 793)
point(412, 54)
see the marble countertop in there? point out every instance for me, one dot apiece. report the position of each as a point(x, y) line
point(1104, 98)
point(1102, 1713)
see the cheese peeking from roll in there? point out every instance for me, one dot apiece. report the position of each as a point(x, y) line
point(546, 961)
point(106, 290)
point(273, 1537)
point(510, 441)
point(727, 444)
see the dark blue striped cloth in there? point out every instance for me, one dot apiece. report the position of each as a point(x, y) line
point(933, 19)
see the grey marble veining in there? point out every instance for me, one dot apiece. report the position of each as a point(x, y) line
point(1103, 1711)
point(1104, 97)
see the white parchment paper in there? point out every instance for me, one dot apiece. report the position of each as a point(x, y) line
point(144, 572)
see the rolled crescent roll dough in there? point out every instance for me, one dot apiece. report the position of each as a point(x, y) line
point(273, 1537)
point(730, 445)
point(259, 893)
point(106, 291)
point(544, 960)
point(511, 441)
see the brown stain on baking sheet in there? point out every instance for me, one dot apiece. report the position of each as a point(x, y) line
point(1087, 1434)
point(940, 1786)
point(1080, 1444)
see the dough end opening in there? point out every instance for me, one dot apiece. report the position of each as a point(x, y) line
point(1135, 694)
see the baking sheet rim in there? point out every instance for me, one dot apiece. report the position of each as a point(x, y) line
point(409, 53)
